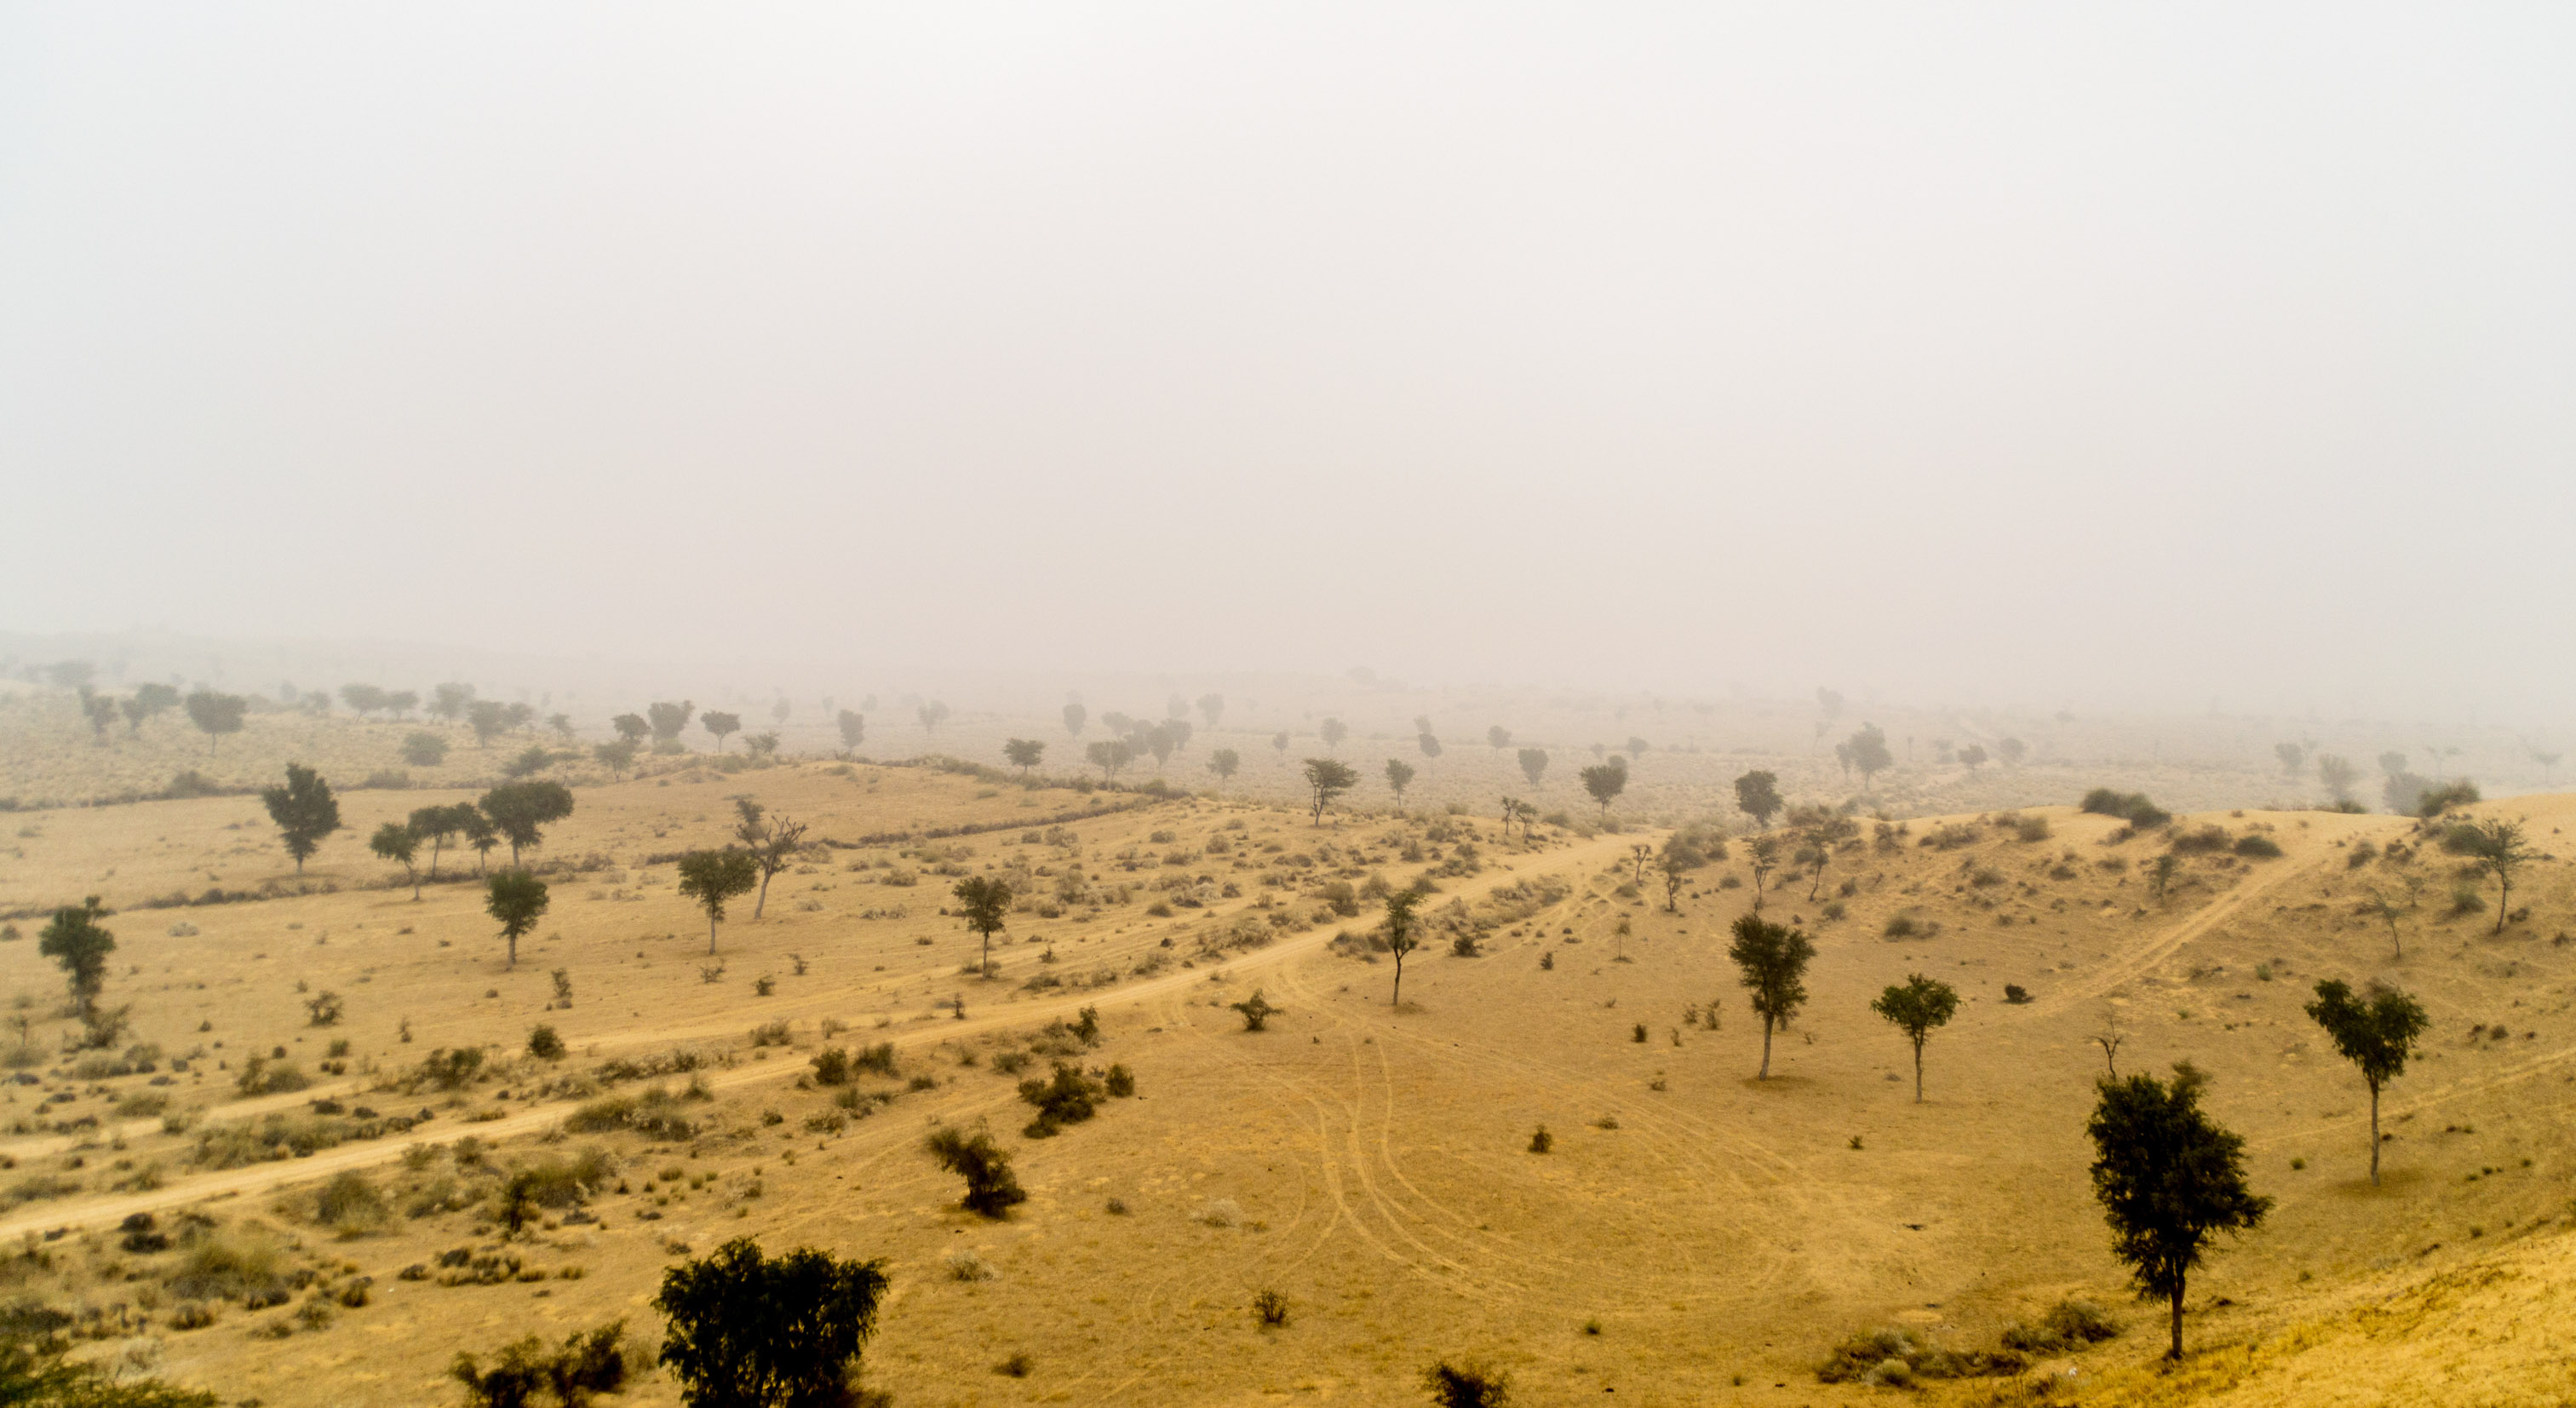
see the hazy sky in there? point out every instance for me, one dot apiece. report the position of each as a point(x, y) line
point(2052, 352)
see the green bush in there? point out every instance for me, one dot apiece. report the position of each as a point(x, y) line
point(2258, 847)
point(1069, 1097)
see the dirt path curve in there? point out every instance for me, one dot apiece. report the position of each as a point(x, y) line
point(2141, 960)
point(101, 1211)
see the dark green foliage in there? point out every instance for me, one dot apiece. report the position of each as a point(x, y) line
point(545, 1043)
point(1918, 1007)
point(304, 810)
point(753, 1332)
point(2497, 847)
point(439, 825)
point(1120, 1083)
point(1399, 775)
point(2169, 1180)
point(77, 942)
point(34, 1373)
point(2207, 840)
point(2131, 807)
point(1403, 934)
point(990, 1187)
point(1605, 781)
point(1257, 1011)
point(878, 1058)
point(1327, 778)
point(397, 842)
point(2442, 797)
point(149, 701)
point(2258, 847)
point(1024, 753)
point(1772, 965)
point(2375, 1032)
point(720, 724)
point(217, 714)
point(1467, 1384)
point(1533, 764)
point(631, 728)
point(831, 1066)
point(423, 749)
point(1067, 1097)
point(525, 1373)
point(520, 812)
point(713, 877)
point(617, 757)
point(518, 900)
point(985, 905)
point(667, 719)
point(1757, 795)
point(854, 728)
point(773, 842)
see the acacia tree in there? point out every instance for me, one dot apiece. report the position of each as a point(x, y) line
point(1109, 755)
point(1533, 764)
point(985, 904)
point(1333, 731)
point(1399, 775)
point(1974, 756)
point(991, 1188)
point(2499, 848)
point(617, 757)
point(1328, 778)
point(720, 724)
point(100, 710)
point(518, 900)
point(1917, 1007)
point(1403, 935)
point(148, 701)
point(1024, 754)
point(2169, 1180)
point(1771, 963)
point(79, 944)
point(1605, 781)
point(854, 728)
point(521, 811)
point(1763, 854)
point(2376, 1032)
point(713, 877)
point(436, 825)
point(784, 1332)
point(1757, 795)
point(397, 842)
point(304, 810)
point(1498, 738)
point(773, 842)
point(1681, 855)
point(1224, 762)
point(1821, 830)
point(2338, 774)
point(632, 728)
point(1869, 753)
point(1075, 717)
point(216, 714)
point(667, 719)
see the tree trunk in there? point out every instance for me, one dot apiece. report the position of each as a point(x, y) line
point(763, 902)
point(1766, 1050)
point(2374, 1136)
point(711, 936)
point(514, 950)
point(1398, 999)
point(434, 847)
point(1918, 1073)
point(415, 887)
point(2504, 900)
point(2175, 1353)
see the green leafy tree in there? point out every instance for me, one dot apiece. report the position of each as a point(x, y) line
point(991, 1188)
point(618, 757)
point(1109, 755)
point(521, 811)
point(749, 1331)
point(401, 702)
point(532, 760)
point(1757, 795)
point(773, 841)
point(216, 714)
point(1257, 1011)
point(1533, 764)
point(2375, 1031)
point(479, 832)
point(1771, 962)
point(2161, 873)
point(1076, 718)
point(854, 729)
point(713, 877)
point(985, 904)
point(632, 728)
point(1869, 753)
point(304, 810)
point(148, 702)
point(2169, 1179)
point(720, 724)
point(489, 718)
point(438, 826)
point(424, 750)
point(1224, 762)
point(1918, 1007)
point(1684, 851)
point(1762, 853)
point(79, 944)
point(1973, 757)
point(1024, 754)
point(1821, 830)
point(1605, 781)
point(1333, 731)
point(1403, 935)
point(1399, 775)
point(1327, 778)
point(2497, 847)
point(449, 701)
point(518, 900)
point(397, 842)
point(667, 719)
point(1429, 745)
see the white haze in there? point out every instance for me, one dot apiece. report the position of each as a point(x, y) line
point(2092, 355)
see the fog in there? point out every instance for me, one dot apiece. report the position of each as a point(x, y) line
point(2099, 356)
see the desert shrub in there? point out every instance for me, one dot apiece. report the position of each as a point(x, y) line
point(1220, 1212)
point(653, 1114)
point(878, 1058)
point(1119, 1083)
point(1269, 1309)
point(991, 1188)
point(263, 1075)
point(228, 1264)
point(831, 1066)
point(2131, 807)
point(2070, 1324)
point(526, 1373)
point(968, 1266)
point(2439, 799)
point(2206, 840)
point(1950, 838)
point(451, 1070)
point(1068, 1097)
point(1900, 926)
point(770, 1034)
point(545, 1043)
point(2016, 994)
point(552, 1183)
point(2258, 847)
point(278, 1136)
point(1542, 1141)
point(2031, 828)
point(1467, 1384)
point(38, 1187)
point(349, 1205)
